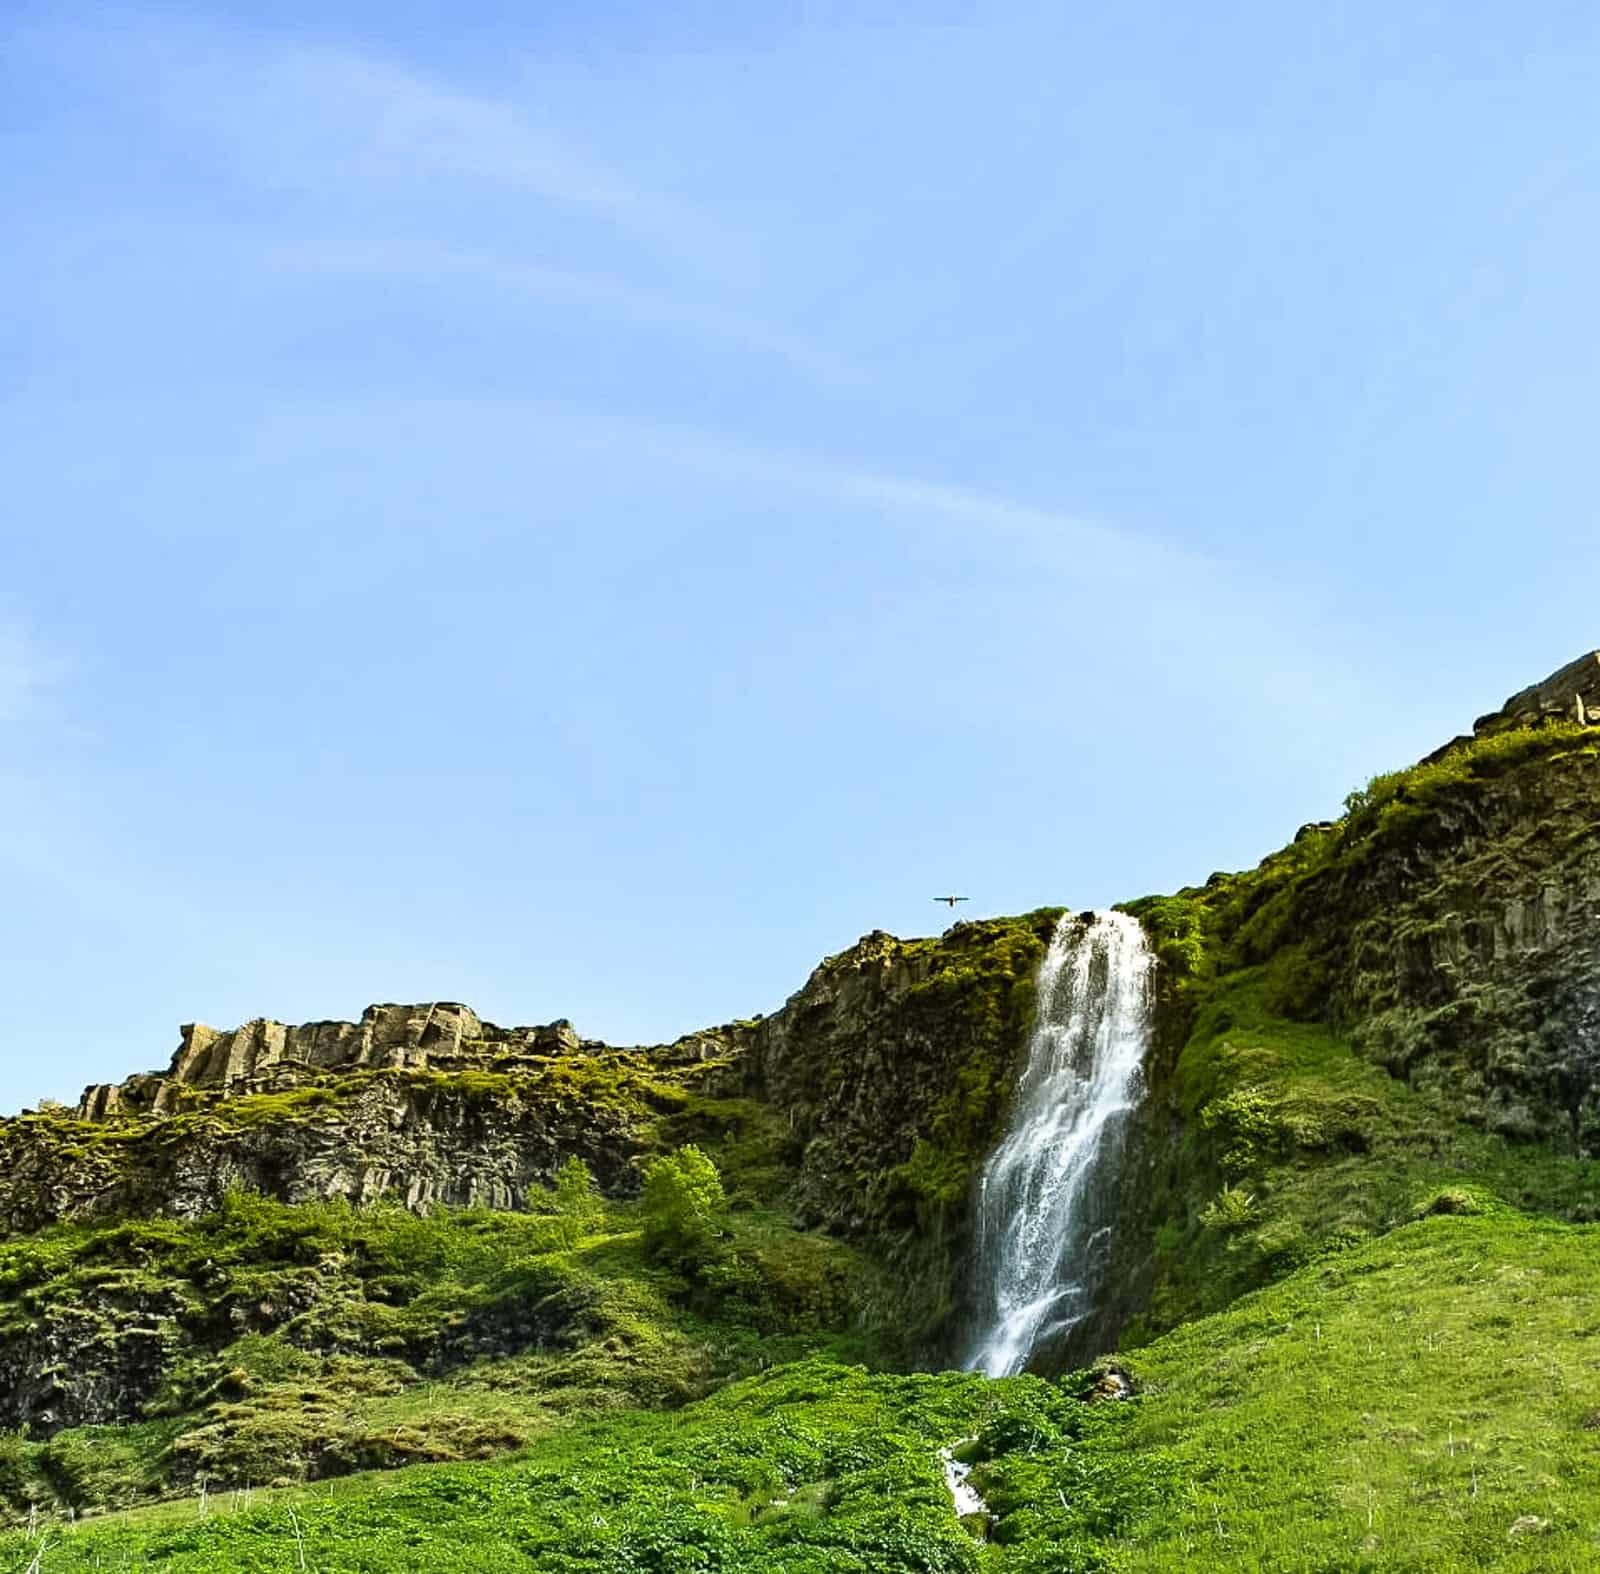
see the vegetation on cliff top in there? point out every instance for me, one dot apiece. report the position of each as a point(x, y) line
point(1292, 1142)
point(987, 982)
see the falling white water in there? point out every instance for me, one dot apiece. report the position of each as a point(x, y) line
point(964, 1497)
point(1044, 1196)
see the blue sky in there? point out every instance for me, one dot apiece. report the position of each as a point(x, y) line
point(586, 510)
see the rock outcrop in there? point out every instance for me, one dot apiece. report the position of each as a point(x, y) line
point(1449, 923)
point(264, 1054)
point(1570, 694)
point(427, 1105)
point(423, 1140)
point(1463, 950)
point(892, 1066)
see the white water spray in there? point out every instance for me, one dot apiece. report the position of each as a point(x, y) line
point(1044, 1196)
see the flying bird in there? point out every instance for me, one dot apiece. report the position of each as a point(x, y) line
point(950, 901)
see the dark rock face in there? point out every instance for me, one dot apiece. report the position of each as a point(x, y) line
point(423, 1140)
point(1466, 955)
point(1571, 694)
point(894, 1067)
point(111, 1355)
point(89, 1364)
point(865, 1057)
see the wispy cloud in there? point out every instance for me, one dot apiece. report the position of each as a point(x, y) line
point(417, 179)
point(525, 435)
point(25, 673)
point(907, 500)
point(1207, 617)
point(318, 116)
point(305, 109)
point(419, 262)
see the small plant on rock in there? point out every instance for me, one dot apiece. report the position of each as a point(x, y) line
point(1230, 1209)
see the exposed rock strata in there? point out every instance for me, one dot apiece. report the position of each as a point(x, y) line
point(1570, 694)
point(882, 1041)
point(89, 1363)
point(1465, 953)
point(264, 1054)
point(421, 1141)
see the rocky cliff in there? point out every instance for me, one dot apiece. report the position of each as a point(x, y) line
point(1450, 924)
point(1331, 1024)
point(861, 1106)
point(883, 1078)
point(425, 1105)
point(264, 1055)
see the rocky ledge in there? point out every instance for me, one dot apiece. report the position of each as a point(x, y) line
point(1570, 694)
point(266, 1056)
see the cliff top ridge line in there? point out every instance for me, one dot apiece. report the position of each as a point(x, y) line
point(1571, 693)
point(264, 1053)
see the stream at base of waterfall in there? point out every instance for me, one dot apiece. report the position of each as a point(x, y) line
point(1046, 1195)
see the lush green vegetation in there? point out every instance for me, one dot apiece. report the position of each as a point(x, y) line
point(1395, 796)
point(684, 1206)
point(309, 1341)
point(1295, 1146)
point(814, 1467)
point(1370, 1341)
point(1427, 1402)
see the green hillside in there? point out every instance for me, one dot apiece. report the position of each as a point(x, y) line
point(1429, 1401)
point(1355, 1294)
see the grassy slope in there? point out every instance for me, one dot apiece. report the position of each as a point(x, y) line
point(342, 1339)
point(1403, 1405)
point(1295, 1146)
point(813, 1467)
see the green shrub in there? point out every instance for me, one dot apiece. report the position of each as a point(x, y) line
point(1388, 795)
point(1247, 1121)
point(578, 1202)
point(684, 1207)
point(19, 1469)
point(1230, 1209)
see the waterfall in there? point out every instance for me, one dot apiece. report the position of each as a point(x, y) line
point(1047, 1193)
